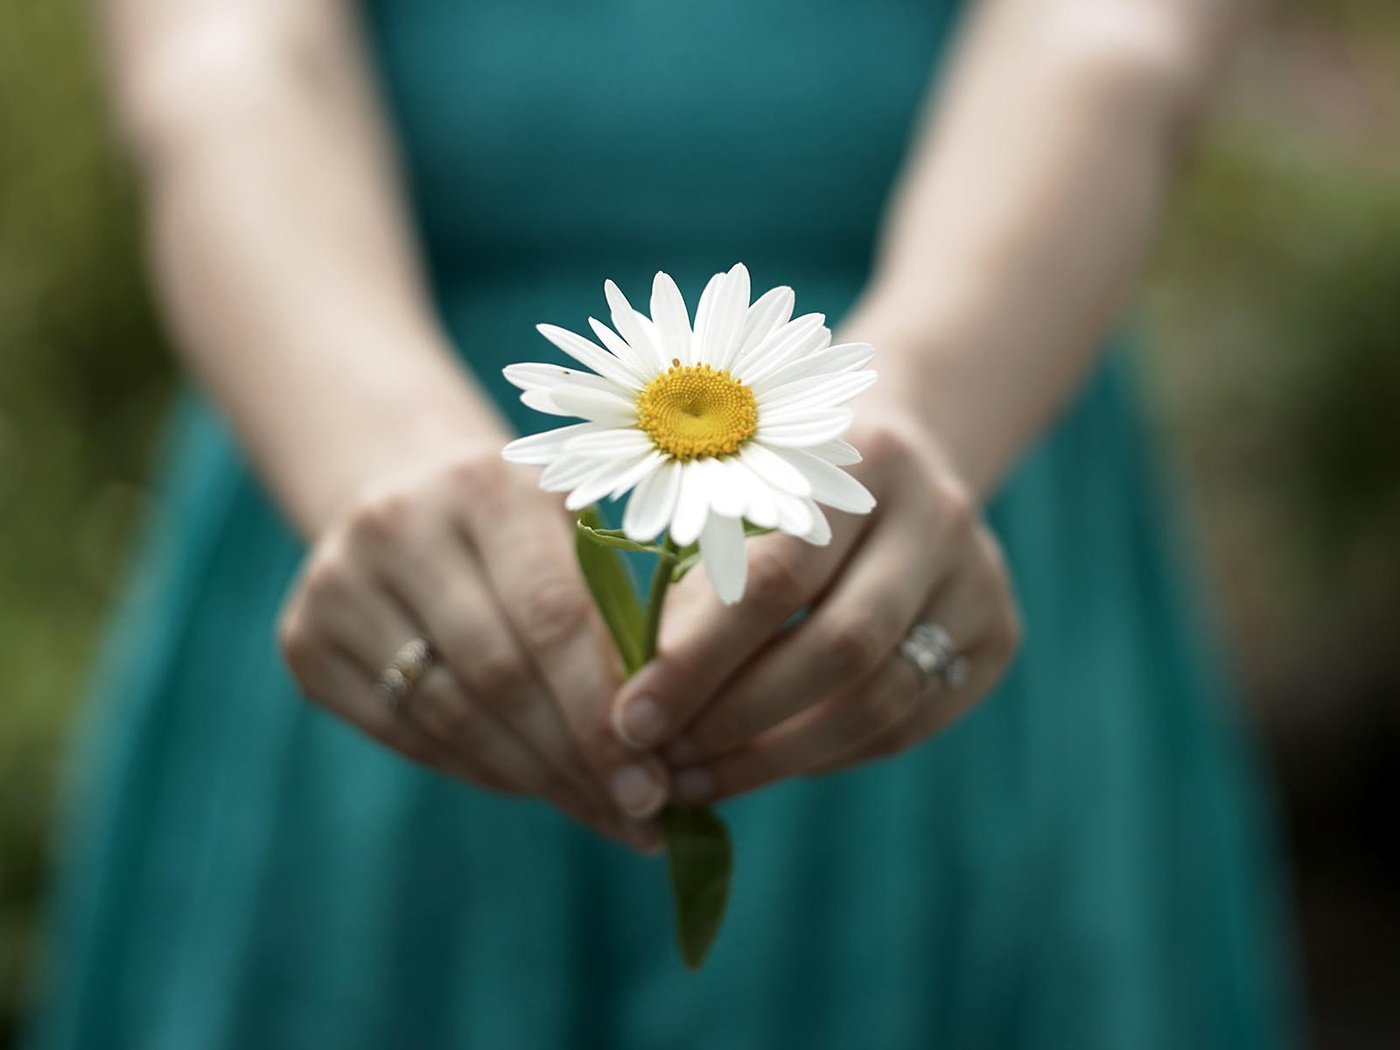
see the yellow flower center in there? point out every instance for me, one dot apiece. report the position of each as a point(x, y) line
point(691, 411)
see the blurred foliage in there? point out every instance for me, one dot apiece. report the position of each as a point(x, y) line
point(82, 387)
point(1275, 305)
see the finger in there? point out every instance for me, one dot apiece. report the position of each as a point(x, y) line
point(527, 552)
point(337, 681)
point(467, 627)
point(441, 706)
point(346, 689)
point(861, 713)
point(985, 636)
point(368, 625)
point(704, 642)
point(892, 706)
point(851, 633)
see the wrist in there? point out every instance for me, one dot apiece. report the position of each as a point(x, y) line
point(369, 432)
point(916, 394)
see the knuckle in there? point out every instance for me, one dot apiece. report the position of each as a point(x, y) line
point(776, 577)
point(855, 645)
point(724, 726)
point(866, 714)
point(480, 480)
point(600, 744)
point(498, 674)
point(325, 579)
point(386, 516)
point(993, 555)
point(296, 643)
point(679, 666)
point(552, 612)
point(880, 443)
point(441, 710)
point(955, 503)
point(895, 707)
point(465, 725)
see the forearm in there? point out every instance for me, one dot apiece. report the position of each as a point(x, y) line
point(1025, 213)
point(284, 260)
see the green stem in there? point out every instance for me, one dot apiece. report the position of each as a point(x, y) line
point(660, 584)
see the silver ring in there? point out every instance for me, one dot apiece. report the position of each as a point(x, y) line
point(404, 670)
point(931, 649)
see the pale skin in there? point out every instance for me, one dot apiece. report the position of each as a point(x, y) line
point(289, 271)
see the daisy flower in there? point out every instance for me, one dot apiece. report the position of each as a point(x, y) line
point(736, 417)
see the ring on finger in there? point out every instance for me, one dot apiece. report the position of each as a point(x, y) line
point(931, 649)
point(404, 670)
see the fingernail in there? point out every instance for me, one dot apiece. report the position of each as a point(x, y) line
point(637, 791)
point(682, 750)
point(693, 785)
point(641, 722)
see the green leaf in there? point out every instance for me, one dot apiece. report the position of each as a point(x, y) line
point(615, 538)
point(610, 582)
point(689, 557)
point(698, 851)
point(686, 559)
point(701, 861)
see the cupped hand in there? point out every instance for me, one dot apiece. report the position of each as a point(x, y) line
point(469, 555)
point(738, 697)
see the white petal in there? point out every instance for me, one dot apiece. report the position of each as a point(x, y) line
point(650, 329)
point(818, 391)
point(649, 509)
point(833, 360)
point(811, 428)
point(641, 471)
point(566, 472)
point(591, 355)
point(756, 496)
point(836, 452)
point(706, 305)
point(671, 320)
point(540, 400)
point(794, 514)
point(644, 364)
point(535, 376)
point(722, 549)
point(775, 470)
point(630, 325)
point(819, 535)
point(539, 449)
point(830, 485)
point(692, 506)
point(760, 505)
point(770, 311)
point(528, 376)
point(598, 405)
point(615, 441)
point(799, 337)
point(726, 491)
point(611, 474)
point(719, 343)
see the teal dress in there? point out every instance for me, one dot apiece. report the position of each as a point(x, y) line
point(1080, 863)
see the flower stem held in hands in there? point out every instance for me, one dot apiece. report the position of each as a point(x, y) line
point(698, 850)
point(660, 583)
point(718, 429)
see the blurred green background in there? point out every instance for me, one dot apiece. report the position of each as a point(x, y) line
point(1273, 319)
